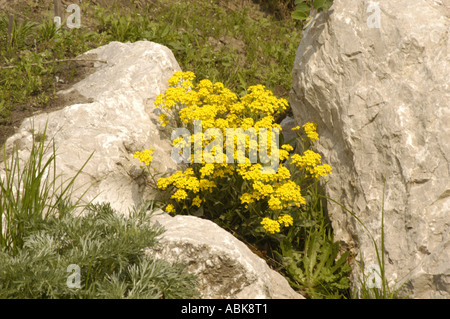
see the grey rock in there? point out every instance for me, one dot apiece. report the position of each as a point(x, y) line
point(289, 136)
point(226, 267)
point(380, 96)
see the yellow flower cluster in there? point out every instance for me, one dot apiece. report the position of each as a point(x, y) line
point(322, 171)
point(259, 100)
point(145, 157)
point(170, 208)
point(310, 161)
point(276, 188)
point(207, 170)
point(311, 131)
point(217, 107)
point(270, 225)
point(273, 226)
point(181, 78)
point(163, 119)
point(185, 183)
point(286, 220)
point(197, 201)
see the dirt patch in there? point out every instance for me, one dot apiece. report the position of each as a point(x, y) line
point(227, 41)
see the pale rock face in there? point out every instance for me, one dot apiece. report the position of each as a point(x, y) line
point(119, 122)
point(226, 267)
point(378, 87)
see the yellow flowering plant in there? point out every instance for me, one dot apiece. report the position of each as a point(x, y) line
point(239, 195)
point(145, 157)
point(267, 205)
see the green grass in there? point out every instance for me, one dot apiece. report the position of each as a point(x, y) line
point(239, 46)
point(28, 70)
point(29, 194)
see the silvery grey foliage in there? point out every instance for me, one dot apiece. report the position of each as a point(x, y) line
point(108, 249)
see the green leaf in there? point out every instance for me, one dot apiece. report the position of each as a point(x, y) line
point(318, 4)
point(299, 15)
point(340, 262)
point(303, 7)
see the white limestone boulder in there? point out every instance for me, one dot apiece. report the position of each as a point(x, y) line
point(118, 122)
point(226, 267)
point(374, 75)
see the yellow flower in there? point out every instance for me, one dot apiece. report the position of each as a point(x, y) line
point(289, 193)
point(163, 183)
point(246, 198)
point(322, 171)
point(271, 226)
point(283, 155)
point(197, 201)
point(206, 184)
point(309, 160)
point(163, 119)
point(145, 157)
point(188, 183)
point(170, 208)
point(264, 190)
point(286, 220)
point(310, 130)
point(282, 174)
point(179, 142)
point(275, 203)
point(207, 170)
point(247, 123)
point(179, 76)
point(179, 195)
